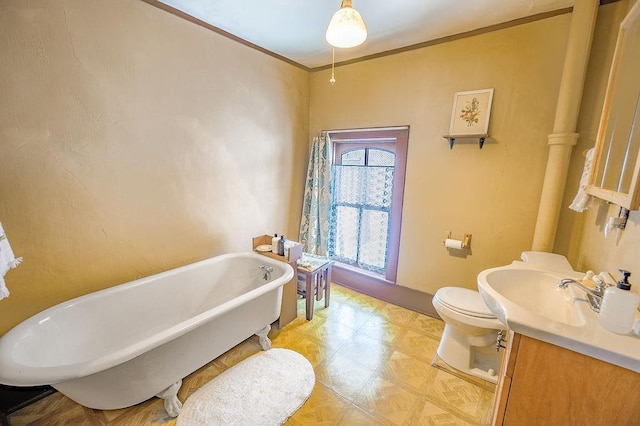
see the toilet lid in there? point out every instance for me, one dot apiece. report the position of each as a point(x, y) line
point(464, 300)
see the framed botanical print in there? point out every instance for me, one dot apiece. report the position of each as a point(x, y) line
point(471, 111)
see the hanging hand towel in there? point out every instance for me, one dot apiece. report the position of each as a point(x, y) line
point(7, 261)
point(582, 199)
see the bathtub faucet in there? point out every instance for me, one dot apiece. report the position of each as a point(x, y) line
point(266, 270)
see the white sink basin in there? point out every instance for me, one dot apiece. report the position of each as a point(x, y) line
point(528, 301)
point(535, 291)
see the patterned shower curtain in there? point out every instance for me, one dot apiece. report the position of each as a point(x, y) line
point(314, 225)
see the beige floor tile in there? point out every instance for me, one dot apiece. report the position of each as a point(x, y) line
point(384, 399)
point(335, 304)
point(367, 303)
point(288, 335)
point(418, 345)
point(314, 352)
point(346, 292)
point(344, 376)
point(357, 417)
point(432, 415)
point(330, 332)
point(378, 328)
point(460, 397)
point(398, 315)
point(366, 351)
point(300, 324)
point(352, 316)
point(429, 326)
point(324, 407)
point(409, 371)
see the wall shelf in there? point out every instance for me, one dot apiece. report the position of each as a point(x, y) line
point(481, 138)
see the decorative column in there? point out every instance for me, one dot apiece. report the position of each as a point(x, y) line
point(563, 138)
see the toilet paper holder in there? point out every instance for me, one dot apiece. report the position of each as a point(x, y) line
point(465, 241)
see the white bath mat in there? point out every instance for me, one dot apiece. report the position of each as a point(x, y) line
point(264, 389)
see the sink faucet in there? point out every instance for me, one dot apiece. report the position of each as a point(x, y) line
point(594, 296)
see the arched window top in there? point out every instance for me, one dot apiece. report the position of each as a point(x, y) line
point(353, 157)
point(381, 157)
point(368, 157)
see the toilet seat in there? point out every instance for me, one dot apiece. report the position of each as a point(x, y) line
point(468, 342)
point(464, 301)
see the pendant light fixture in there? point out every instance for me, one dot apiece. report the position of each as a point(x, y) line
point(346, 28)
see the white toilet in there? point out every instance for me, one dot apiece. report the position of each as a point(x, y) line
point(470, 335)
point(468, 343)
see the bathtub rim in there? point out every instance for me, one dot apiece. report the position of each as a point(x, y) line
point(16, 373)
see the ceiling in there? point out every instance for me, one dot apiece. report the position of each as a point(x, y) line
point(295, 29)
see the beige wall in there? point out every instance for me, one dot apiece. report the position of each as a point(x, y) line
point(580, 235)
point(491, 193)
point(132, 141)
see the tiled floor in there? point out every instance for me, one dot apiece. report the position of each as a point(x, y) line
point(373, 367)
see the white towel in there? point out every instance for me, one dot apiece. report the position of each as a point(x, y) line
point(7, 261)
point(582, 199)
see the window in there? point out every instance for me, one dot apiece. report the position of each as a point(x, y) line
point(368, 183)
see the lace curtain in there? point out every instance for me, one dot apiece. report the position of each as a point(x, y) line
point(360, 216)
point(314, 225)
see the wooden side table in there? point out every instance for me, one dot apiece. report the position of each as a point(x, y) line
point(289, 307)
point(316, 271)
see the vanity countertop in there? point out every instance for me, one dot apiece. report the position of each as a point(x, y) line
point(587, 336)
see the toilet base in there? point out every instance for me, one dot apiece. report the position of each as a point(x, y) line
point(475, 355)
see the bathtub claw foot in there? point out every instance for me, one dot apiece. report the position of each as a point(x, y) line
point(265, 342)
point(172, 404)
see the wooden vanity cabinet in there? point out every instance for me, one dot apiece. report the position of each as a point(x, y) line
point(544, 384)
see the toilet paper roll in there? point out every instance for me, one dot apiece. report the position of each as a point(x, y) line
point(453, 244)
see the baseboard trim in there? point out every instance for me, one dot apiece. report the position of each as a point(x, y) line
point(381, 289)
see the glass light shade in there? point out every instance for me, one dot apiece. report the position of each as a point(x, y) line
point(346, 28)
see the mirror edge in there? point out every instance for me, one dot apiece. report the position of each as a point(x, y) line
point(631, 200)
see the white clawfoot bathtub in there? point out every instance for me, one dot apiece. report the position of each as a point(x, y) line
point(123, 345)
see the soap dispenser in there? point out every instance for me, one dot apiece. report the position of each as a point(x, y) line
point(619, 305)
point(274, 244)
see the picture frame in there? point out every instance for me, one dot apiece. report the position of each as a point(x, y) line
point(471, 112)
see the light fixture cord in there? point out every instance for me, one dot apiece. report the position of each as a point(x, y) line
point(332, 80)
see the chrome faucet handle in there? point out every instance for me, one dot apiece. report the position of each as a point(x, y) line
point(601, 284)
point(267, 270)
